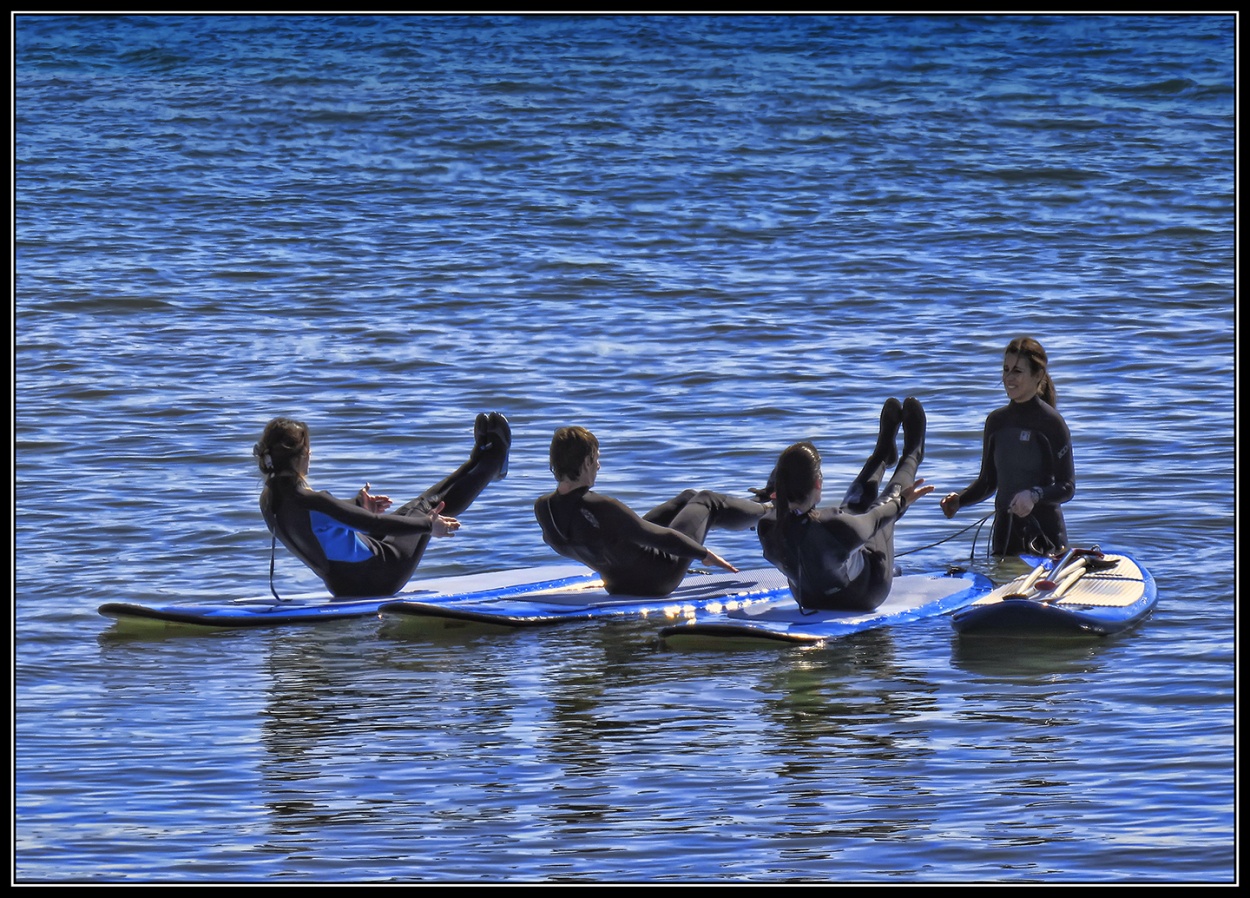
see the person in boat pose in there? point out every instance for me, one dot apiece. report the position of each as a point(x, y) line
point(645, 555)
point(355, 547)
point(843, 558)
point(1026, 458)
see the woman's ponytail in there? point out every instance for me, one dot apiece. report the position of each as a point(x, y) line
point(281, 446)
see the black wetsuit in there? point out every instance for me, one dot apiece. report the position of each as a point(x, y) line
point(843, 558)
point(1026, 446)
point(356, 552)
point(640, 556)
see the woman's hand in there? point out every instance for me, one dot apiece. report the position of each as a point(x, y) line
point(711, 558)
point(442, 526)
point(1022, 503)
point(950, 504)
point(915, 491)
point(762, 495)
point(375, 504)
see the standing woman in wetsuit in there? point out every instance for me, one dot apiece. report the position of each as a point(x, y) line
point(354, 547)
point(1026, 458)
point(646, 555)
point(843, 558)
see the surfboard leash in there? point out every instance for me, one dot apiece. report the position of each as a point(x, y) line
point(947, 539)
point(273, 554)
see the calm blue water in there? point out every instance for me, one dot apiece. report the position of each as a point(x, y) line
point(703, 238)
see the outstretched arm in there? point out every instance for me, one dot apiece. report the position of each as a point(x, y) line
point(361, 519)
point(854, 530)
point(711, 558)
point(624, 523)
point(440, 525)
point(985, 484)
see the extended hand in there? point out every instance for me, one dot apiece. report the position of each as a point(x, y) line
point(375, 504)
point(442, 526)
point(714, 559)
point(950, 504)
point(915, 491)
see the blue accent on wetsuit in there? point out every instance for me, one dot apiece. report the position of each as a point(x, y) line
point(338, 541)
point(328, 534)
point(358, 553)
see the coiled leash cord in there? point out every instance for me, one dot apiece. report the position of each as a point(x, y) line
point(978, 524)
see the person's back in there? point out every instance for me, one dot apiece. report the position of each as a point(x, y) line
point(843, 558)
point(353, 547)
point(824, 558)
point(643, 555)
point(343, 544)
point(631, 554)
point(285, 506)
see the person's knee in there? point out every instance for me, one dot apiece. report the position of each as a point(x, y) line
point(418, 507)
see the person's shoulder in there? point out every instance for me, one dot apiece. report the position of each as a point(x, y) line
point(288, 486)
point(1046, 410)
point(1003, 411)
point(602, 497)
point(320, 499)
point(545, 504)
point(591, 499)
point(1055, 421)
point(1049, 409)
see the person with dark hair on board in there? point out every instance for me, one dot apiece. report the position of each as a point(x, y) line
point(645, 555)
point(1026, 458)
point(354, 547)
point(842, 558)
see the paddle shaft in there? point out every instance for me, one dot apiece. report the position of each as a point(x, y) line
point(1033, 577)
point(1033, 580)
point(1074, 573)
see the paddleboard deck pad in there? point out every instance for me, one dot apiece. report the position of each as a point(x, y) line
point(912, 597)
point(585, 601)
point(266, 611)
point(1112, 593)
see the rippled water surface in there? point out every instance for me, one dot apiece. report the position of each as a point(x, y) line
point(704, 238)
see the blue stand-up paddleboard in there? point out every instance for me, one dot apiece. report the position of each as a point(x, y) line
point(912, 597)
point(1085, 593)
point(589, 600)
point(267, 611)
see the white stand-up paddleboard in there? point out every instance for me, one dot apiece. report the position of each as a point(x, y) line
point(1093, 593)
